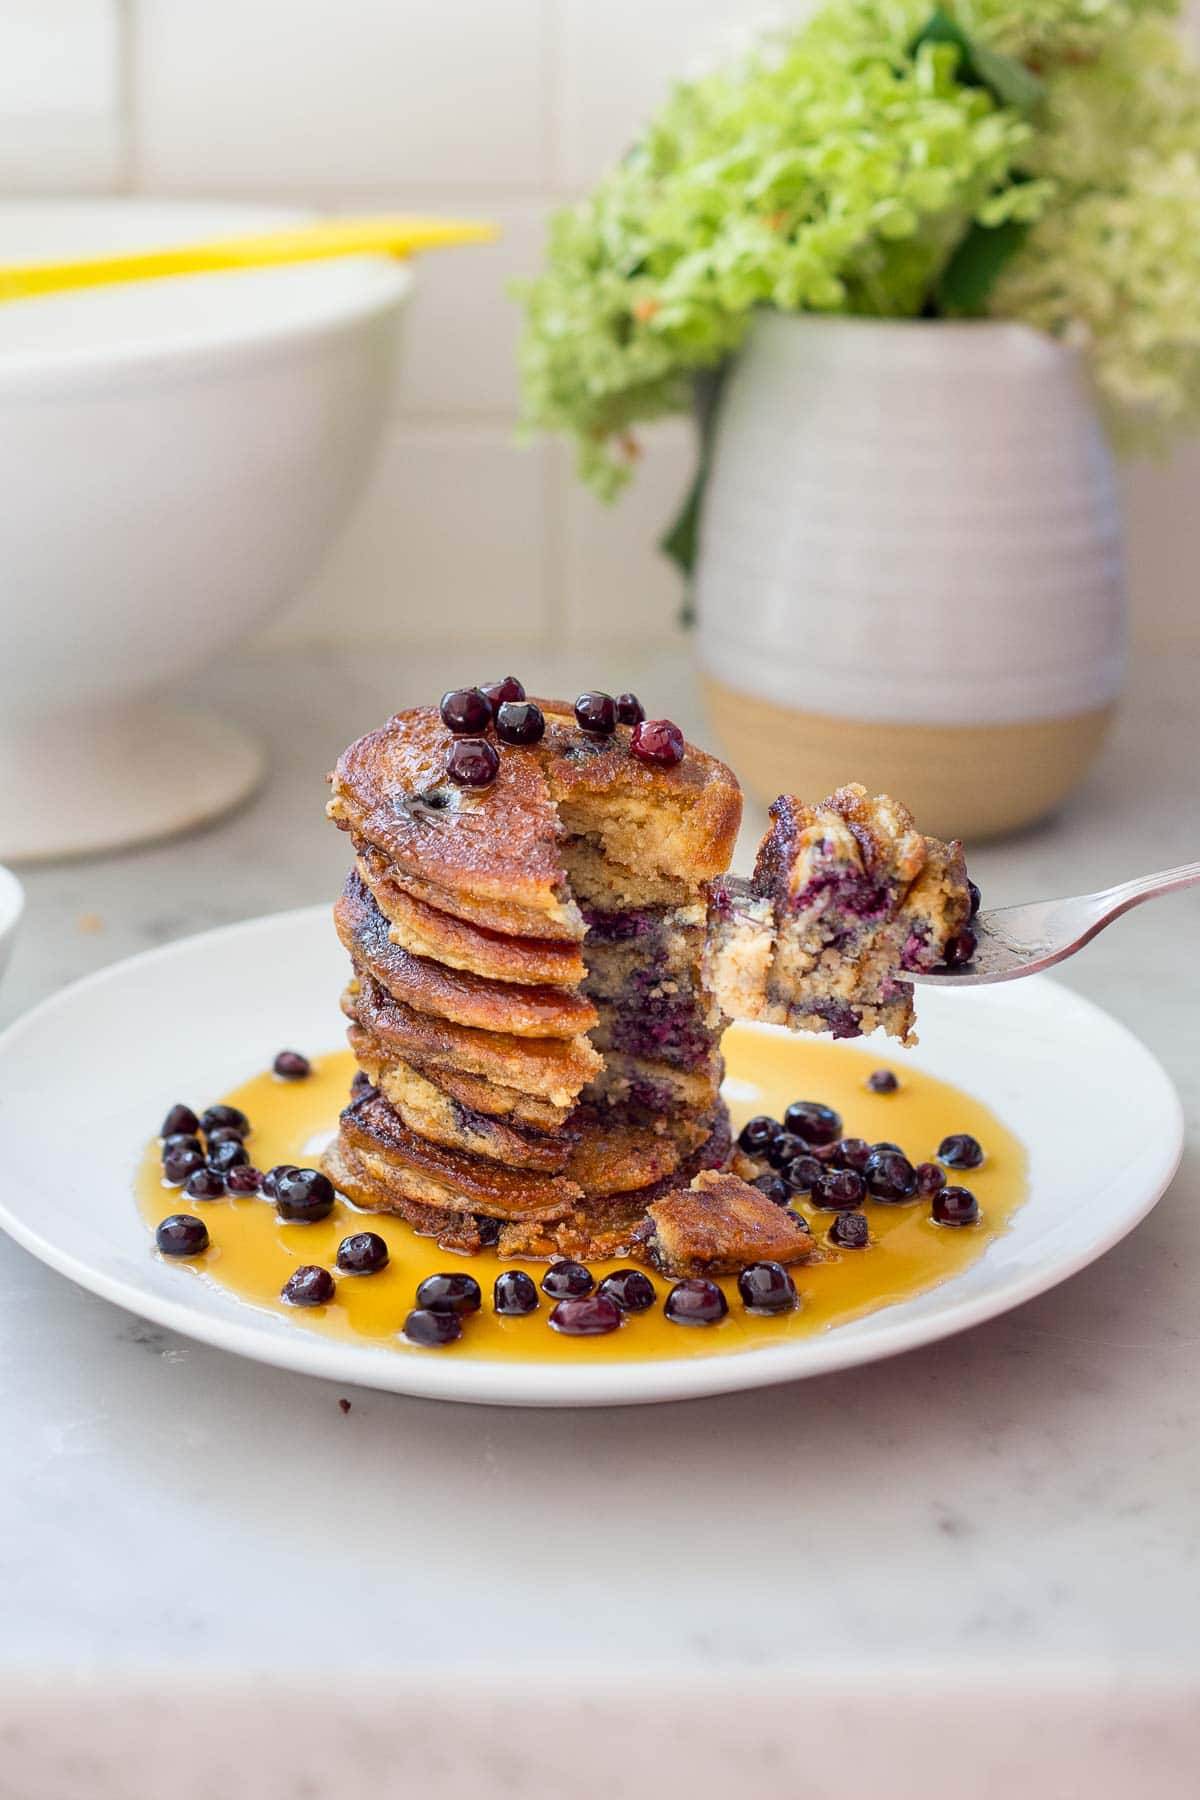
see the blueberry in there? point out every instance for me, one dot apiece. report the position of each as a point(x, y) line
point(362, 1086)
point(473, 762)
point(960, 948)
point(774, 1187)
point(289, 1065)
point(365, 1253)
point(630, 710)
point(520, 722)
point(177, 1165)
point(955, 1206)
point(302, 1194)
point(204, 1184)
point(839, 1190)
point(850, 1231)
point(802, 1222)
point(273, 1177)
point(658, 741)
point(243, 1180)
point(767, 1287)
point(180, 1119)
point(500, 691)
point(567, 1281)
point(696, 1303)
point(976, 898)
point(309, 1285)
point(757, 1133)
point(514, 1294)
point(591, 1316)
point(882, 1081)
point(597, 714)
point(180, 1140)
point(930, 1179)
point(803, 1174)
point(851, 1153)
point(466, 711)
point(815, 1123)
point(488, 1229)
point(183, 1234)
point(449, 1293)
point(225, 1115)
point(890, 1175)
point(223, 1134)
point(432, 1329)
point(886, 1144)
point(961, 1151)
point(230, 1153)
point(629, 1288)
point(784, 1149)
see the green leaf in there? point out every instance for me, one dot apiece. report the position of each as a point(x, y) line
point(1009, 81)
point(1012, 83)
point(681, 540)
point(971, 273)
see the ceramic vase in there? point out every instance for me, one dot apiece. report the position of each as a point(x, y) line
point(910, 568)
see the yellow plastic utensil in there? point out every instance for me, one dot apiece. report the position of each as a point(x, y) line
point(390, 234)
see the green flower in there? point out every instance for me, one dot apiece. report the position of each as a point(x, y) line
point(1038, 161)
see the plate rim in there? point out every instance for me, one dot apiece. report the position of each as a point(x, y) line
point(496, 1382)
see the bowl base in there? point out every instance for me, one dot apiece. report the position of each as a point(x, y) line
point(81, 783)
point(970, 781)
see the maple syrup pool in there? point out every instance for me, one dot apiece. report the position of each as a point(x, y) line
point(252, 1251)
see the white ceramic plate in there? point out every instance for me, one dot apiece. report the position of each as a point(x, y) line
point(85, 1077)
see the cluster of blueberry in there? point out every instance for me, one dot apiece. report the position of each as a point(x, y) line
point(474, 761)
point(205, 1154)
point(583, 1309)
point(220, 1165)
point(808, 1157)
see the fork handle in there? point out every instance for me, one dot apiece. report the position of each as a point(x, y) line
point(1111, 902)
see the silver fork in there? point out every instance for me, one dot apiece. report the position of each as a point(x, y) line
point(1020, 940)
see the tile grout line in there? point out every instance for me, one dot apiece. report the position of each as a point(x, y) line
point(125, 22)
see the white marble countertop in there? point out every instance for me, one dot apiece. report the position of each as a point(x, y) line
point(979, 1553)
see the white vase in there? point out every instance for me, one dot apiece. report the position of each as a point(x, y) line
point(910, 567)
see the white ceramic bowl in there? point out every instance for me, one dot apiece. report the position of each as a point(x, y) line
point(12, 905)
point(175, 458)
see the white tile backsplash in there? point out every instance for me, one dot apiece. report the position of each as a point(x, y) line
point(1162, 523)
point(60, 96)
point(616, 583)
point(493, 108)
point(314, 96)
point(460, 357)
point(448, 541)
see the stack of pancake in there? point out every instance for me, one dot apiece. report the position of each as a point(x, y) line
point(539, 1058)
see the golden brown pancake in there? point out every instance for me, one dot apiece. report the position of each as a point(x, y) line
point(427, 931)
point(554, 1068)
point(453, 994)
point(614, 1156)
point(718, 1225)
point(613, 1224)
point(430, 1112)
point(527, 1111)
point(393, 1157)
point(458, 1231)
point(656, 1087)
point(495, 856)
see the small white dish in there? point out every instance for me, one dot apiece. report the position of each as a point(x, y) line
point(86, 1076)
point(12, 905)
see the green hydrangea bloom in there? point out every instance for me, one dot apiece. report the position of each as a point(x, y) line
point(839, 165)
